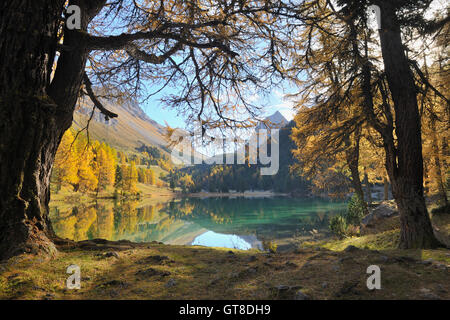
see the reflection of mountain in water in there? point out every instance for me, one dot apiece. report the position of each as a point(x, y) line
point(266, 219)
point(233, 223)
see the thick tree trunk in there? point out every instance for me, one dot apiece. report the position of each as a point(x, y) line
point(34, 114)
point(405, 167)
point(30, 125)
point(28, 146)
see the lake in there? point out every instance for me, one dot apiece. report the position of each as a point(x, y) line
point(240, 223)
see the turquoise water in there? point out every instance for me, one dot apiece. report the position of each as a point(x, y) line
point(240, 223)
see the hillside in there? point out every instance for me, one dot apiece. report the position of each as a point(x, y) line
point(132, 129)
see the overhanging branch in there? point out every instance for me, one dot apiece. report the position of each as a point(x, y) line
point(108, 114)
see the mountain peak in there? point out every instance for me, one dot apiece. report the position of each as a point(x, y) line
point(274, 121)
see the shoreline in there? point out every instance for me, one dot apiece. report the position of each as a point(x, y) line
point(245, 194)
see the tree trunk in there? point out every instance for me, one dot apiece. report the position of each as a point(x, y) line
point(368, 190)
point(30, 125)
point(386, 188)
point(405, 167)
point(352, 158)
point(34, 114)
point(28, 146)
point(437, 163)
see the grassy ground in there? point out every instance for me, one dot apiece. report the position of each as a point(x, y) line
point(325, 270)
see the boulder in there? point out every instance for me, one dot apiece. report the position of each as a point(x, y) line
point(301, 296)
point(171, 283)
point(285, 292)
point(351, 248)
point(385, 209)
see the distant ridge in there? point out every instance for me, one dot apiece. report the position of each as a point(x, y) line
point(275, 121)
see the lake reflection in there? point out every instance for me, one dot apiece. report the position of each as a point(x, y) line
point(239, 223)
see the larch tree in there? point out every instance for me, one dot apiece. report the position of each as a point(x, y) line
point(392, 79)
point(210, 49)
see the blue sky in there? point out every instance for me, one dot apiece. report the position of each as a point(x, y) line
point(162, 114)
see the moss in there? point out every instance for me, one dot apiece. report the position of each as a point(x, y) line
point(217, 273)
point(387, 240)
point(220, 273)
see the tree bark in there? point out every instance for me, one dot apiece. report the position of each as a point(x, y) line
point(34, 114)
point(30, 124)
point(405, 164)
point(352, 158)
point(386, 188)
point(437, 163)
point(368, 190)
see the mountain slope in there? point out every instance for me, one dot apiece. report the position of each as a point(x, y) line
point(132, 129)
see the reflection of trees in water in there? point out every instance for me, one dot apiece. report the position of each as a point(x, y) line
point(109, 221)
point(125, 220)
point(199, 209)
point(84, 222)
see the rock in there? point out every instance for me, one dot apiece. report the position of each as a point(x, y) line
point(348, 287)
point(113, 293)
point(284, 292)
point(252, 270)
point(171, 283)
point(157, 259)
point(441, 266)
point(428, 294)
point(252, 259)
point(324, 285)
point(214, 281)
point(384, 210)
point(301, 296)
point(150, 272)
point(291, 264)
point(427, 262)
point(440, 288)
point(404, 259)
point(230, 252)
point(383, 259)
point(351, 248)
point(108, 254)
point(115, 283)
point(49, 296)
point(138, 291)
point(38, 288)
point(343, 259)
point(112, 254)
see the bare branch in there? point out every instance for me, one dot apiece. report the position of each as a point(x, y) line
point(108, 114)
